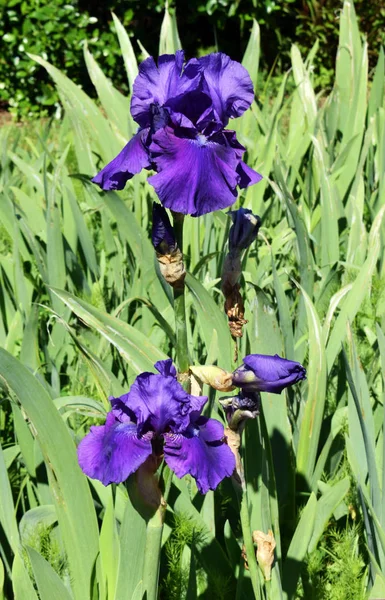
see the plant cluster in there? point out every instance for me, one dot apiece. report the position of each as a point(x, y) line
point(97, 287)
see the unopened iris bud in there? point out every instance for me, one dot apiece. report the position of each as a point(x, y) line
point(265, 551)
point(217, 378)
point(244, 229)
point(238, 409)
point(169, 256)
point(263, 373)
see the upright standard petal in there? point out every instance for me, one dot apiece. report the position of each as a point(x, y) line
point(265, 373)
point(201, 452)
point(158, 403)
point(131, 160)
point(195, 176)
point(111, 452)
point(166, 367)
point(231, 88)
point(157, 84)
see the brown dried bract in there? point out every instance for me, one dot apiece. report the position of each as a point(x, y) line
point(235, 310)
point(172, 268)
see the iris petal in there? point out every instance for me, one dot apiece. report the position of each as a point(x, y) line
point(131, 160)
point(157, 84)
point(113, 451)
point(195, 176)
point(200, 452)
point(230, 86)
point(158, 403)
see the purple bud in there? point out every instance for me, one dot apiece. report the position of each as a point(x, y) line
point(262, 373)
point(163, 237)
point(244, 229)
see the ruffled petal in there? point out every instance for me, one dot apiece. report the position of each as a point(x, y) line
point(166, 368)
point(200, 452)
point(159, 403)
point(195, 176)
point(230, 86)
point(157, 84)
point(247, 175)
point(131, 160)
point(111, 452)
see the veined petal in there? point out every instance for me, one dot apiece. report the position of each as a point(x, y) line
point(202, 452)
point(157, 84)
point(166, 367)
point(111, 452)
point(131, 160)
point(195, 176)
point(231, 88)
point(247, 175)
point(159, 403)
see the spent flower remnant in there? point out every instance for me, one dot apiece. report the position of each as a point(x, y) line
point(157, 417)
point(182, 111)
point(263, 373)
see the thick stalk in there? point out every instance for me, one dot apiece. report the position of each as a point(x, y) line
point(180, 305)
point(249, 546)
point(152, 553)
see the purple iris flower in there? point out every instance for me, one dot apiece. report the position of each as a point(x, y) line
point(244, 229)
point(262, 373)
point(182, 111)
point(157, 417)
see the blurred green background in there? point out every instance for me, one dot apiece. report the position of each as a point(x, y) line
point(57, 30)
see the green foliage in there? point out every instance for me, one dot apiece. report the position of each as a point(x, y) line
point(58, 30)
point(337, 569)
point(83, 310)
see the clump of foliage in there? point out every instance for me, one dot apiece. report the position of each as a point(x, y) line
point(57, 30)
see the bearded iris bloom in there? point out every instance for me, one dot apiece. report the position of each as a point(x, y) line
point(182, 111)
point(262, 373)
point(157, 417)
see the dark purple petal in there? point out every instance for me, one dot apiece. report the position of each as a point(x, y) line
point(244, 229)
point(159, 403)
point(113, 451)
point(157, 84)
point(195, 176)
point(166, 367)
point(201, 452)
point(163, 238)
point(230, 86)
point(131, 160)
point(247, 175)
point(268, 373)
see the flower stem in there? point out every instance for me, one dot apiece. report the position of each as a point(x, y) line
point(180, 305)
point(152, 553)
point(249, 546)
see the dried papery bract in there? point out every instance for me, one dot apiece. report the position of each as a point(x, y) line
point(243, 232)
point(265, 551)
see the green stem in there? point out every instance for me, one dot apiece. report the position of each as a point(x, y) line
point(180, 306)
point(268, 589)
point(249, 546)
point(152, 553)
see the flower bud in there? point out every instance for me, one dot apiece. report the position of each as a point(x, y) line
point(263, 373)
point(244, 229)
point(169, 256)
point(163, 238)
point(217, 378)
point(265, 551)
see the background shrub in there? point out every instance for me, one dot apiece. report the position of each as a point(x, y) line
point(57, 29)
